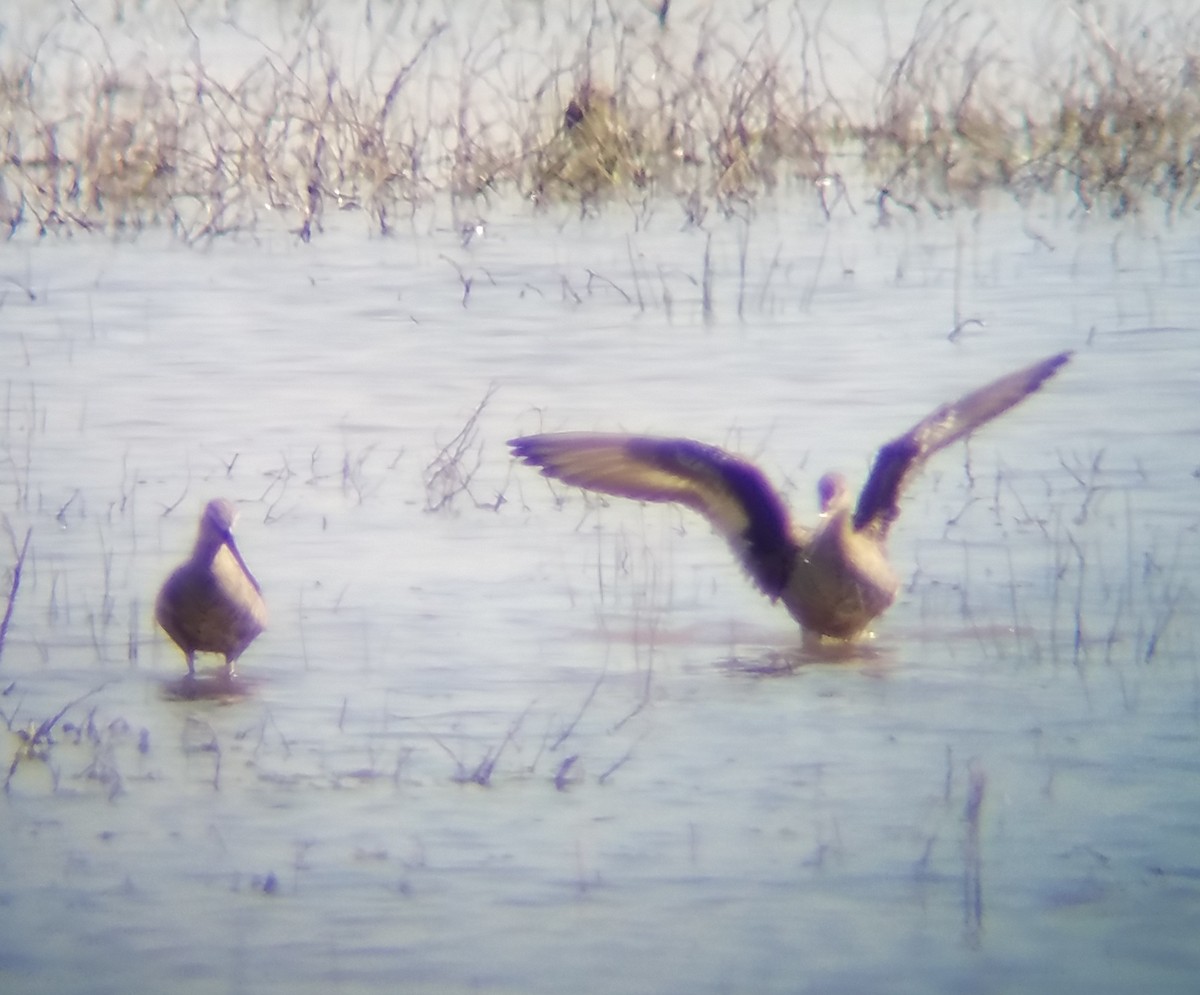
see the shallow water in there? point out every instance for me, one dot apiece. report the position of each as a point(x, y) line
point(503, 736)
point(674, 790)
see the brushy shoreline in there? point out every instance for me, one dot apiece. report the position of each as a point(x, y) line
point(589, 106)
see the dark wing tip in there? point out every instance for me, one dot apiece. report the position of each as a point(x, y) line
point(522, 447)
point(1043, 371)
point(537, 450)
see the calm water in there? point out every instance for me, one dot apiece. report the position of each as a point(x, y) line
point(996, 793)
point(733, 816)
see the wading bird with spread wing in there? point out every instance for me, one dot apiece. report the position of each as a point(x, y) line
point(834, 578)
point(212, 603)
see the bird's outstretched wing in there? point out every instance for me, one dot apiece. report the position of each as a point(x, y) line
point(902, 458)
point(731, 493)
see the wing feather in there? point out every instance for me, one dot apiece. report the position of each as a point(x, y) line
point(730, 492)
point(901, 459)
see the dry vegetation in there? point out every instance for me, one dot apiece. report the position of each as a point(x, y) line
point(573, 102)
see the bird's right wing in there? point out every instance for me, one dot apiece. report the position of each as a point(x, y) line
point(731, 493)
point(902, 458)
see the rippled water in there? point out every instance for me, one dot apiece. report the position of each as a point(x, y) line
point(676, 797)
point(503, 736)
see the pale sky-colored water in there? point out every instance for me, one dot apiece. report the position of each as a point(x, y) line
point(726, 826)
point(726, 823)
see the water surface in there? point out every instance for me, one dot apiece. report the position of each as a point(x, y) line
point(995, 793)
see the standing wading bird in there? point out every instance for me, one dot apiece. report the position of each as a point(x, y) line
point(834, 578)
point(213, 604)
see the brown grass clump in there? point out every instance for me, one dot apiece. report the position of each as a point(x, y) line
point(1127, 129)
point(594, 151)
point(710, 106)
point(1114, 124)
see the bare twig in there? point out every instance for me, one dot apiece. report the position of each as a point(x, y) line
point(13, 588)
point(447, 475)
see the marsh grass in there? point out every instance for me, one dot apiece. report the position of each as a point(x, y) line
point(1111, 122)
point(579, 105)
point(55, 740)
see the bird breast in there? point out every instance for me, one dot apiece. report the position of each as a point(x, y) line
point(841, 580)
